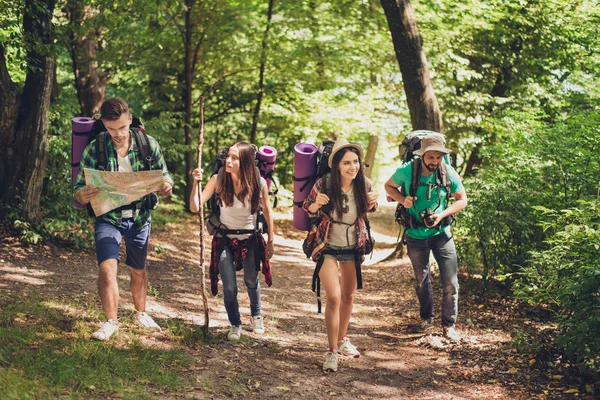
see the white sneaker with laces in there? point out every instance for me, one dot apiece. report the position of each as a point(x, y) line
point(257, 324)
point(146, 321)
point(235, 333)
point(452, 334)
point(347, 349)
point(107, 330)
point(331, 362)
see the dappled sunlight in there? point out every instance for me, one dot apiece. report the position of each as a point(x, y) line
point(289, 354)
point(26, 271)
point(24, 279)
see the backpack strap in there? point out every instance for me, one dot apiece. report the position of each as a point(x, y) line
point(144, 147)
point(444, 180)
point(416, 176)
point(329, 206)
point(102, 151)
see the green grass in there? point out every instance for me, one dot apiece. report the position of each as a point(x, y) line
point(47, 354)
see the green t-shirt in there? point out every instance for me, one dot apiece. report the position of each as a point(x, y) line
point(437, 199)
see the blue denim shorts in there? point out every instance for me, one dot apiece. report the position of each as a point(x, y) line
point(346, 257)
point(108, 241)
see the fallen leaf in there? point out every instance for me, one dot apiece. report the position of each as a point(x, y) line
point(570, 391)
point(557, 377)
point(532, 361)
point(284, 388)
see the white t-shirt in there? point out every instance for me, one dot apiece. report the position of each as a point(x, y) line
point(125, 166)
point(238, 216)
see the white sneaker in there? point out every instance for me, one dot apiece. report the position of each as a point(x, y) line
point(451, 334)
point(331, 362)
point(235, 333)
point(257, 324)
point(146, 321)
point(347, 349)
point(106, 331)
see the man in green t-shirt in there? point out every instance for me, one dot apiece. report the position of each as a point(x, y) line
point(429, 231)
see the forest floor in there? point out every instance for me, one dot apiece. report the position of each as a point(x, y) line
point(285, 362)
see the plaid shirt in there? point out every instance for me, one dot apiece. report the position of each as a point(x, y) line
point(239, 251)
point(323, 227)
point(89, 160)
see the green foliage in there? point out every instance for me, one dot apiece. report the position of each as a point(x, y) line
point(566, 274)
point(534, 165)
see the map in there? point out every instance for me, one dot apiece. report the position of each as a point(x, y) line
point(120, 188)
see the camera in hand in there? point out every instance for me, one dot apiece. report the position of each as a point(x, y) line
point(425, 217)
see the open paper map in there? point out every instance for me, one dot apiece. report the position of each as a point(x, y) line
point(120, 188)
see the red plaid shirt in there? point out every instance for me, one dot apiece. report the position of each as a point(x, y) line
point(239, 251)
point(322, 230)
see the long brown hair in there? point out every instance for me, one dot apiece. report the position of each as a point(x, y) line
point(359, 185)
point(248, 178)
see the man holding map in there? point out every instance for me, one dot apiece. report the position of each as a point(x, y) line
point(121, 199)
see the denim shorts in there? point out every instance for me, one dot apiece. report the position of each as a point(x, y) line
point(346, 257)
point(108, 241)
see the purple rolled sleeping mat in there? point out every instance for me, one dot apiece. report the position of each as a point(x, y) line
point(81, 126)
point(266, 163)
point(305, 169)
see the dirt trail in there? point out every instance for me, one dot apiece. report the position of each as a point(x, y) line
point(285, 362)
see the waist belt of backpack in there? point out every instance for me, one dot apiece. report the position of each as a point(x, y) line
point(235, 231)
point(135, 206)
point(316, 281)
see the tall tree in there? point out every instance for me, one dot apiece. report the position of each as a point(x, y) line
point(261, 74)
point(408, 46)
point(24, 153)
point(85, 39)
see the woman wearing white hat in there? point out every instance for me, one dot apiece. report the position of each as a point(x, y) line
point(340, 200)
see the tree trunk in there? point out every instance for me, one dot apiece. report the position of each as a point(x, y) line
point(408, 46)
point(261, 78)
point(370, 157)
point(9, 104)
point(90, 82)
point(26, 164)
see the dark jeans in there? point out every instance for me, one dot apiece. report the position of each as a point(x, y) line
point(444, 253)
point(230, 290)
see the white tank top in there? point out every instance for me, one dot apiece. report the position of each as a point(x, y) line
point(238, 216)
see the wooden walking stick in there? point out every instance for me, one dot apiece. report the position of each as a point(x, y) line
point(202, 269)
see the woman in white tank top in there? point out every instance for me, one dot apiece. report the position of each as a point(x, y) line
point(241, 194)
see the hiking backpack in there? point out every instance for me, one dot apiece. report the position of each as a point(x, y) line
point(406, 149)
point(322, 171)
point(214, 224)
